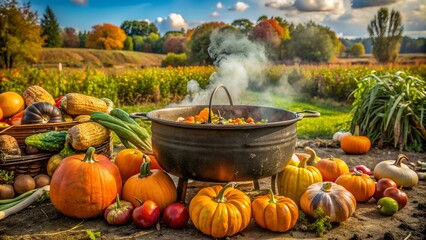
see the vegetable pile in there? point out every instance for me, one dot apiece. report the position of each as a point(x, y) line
point(217, 118)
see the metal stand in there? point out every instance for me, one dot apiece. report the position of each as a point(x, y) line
point(183, 185)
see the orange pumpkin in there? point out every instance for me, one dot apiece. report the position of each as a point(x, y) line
point(150, 184)
point(220, 211)
point(331, 168)
point(337, 202)
point(154, 162)
point(359, 184)
point(11, 103)
point(84, 185)
point(355, 144)
point(275, 213)
point(129, 161)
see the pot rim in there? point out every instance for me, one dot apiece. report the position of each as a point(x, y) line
point(149, 115)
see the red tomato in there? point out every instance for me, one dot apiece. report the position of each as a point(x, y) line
point(16, 119)
point(381, 186)
point(147, 215)
point(398, 195)
point(176, 215)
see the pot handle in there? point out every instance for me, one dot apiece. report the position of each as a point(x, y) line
point(309, 113)
point(139, 115)
point(211, 99)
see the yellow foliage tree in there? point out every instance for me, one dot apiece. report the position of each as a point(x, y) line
point(106, 36)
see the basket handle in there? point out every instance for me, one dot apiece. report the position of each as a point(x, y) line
point(211, 99)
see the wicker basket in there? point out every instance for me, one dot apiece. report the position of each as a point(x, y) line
point(20, 132)
point(36, 163)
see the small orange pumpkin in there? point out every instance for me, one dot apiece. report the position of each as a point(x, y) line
point(275, 213)
point(84, 185)
point(129, 161)
point(355, 144)
point(150, 184)
point(220, 211)
point(359, 184)
point(331, 168)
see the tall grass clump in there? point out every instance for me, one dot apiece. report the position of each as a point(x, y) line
point(390, 109)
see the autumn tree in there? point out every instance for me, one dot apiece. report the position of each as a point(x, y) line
point(70, 38)
point(271, 34)
point(200, 40)
point(20, 38)
point(106, 36)
point(386, 34)
point(175, 44)
point(50, 29)
point(357, 49)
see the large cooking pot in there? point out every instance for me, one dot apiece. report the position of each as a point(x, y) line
point(224, 153)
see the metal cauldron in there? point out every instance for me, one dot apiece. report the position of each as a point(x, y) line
point(224, 153)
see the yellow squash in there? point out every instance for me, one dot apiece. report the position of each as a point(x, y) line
point(293, 181)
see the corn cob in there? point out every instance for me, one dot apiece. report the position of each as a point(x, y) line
point(88, 134)
point(80, 104)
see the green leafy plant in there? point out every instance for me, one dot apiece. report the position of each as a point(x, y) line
point(319, 224)
point(390, 109)
point(93, 235)
point(322, 224)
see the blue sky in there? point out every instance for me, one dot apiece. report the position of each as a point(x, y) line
point(348, 18)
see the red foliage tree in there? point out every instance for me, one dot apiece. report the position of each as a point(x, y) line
point(175, 44)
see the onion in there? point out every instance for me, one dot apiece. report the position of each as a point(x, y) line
point(361, 168)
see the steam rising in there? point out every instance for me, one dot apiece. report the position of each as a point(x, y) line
point(240, 63)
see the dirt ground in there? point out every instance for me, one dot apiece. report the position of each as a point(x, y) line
point(43, 221)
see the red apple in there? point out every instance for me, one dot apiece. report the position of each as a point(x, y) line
point(176, 215)
point(381, 186)
point(147, 215)
point(398, 195)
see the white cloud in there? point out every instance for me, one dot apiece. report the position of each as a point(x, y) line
point(219, 5)
point(318, 5)
point(371, 3)
point(280, 4)
point(80, 2)
point(214, 14)
point(172, 22)
point(239, 6)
